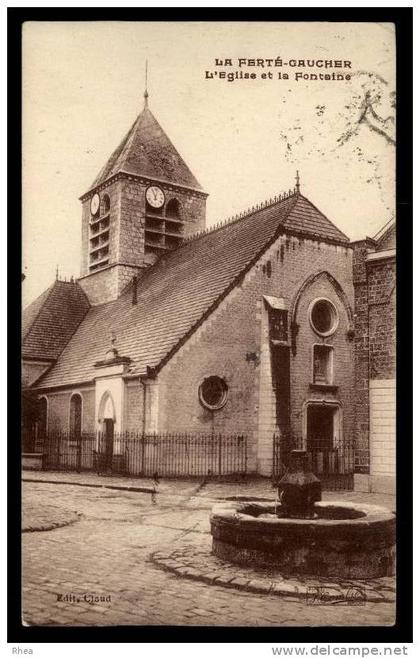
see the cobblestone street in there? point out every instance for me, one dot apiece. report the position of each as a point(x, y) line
point(97, 570)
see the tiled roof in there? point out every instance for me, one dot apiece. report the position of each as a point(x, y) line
point(51, 320)
point(147, 151)
point(182, 288)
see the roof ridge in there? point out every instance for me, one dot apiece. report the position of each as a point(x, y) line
point(116, 153)
point(241, 215)
point(255, 258)
point(325, 217)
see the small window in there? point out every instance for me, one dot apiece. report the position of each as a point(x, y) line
point(323, 365)
point(213, 392)
point(323, 316)
point(277, 320)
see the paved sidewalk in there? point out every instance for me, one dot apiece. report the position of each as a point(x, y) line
point(196, 491)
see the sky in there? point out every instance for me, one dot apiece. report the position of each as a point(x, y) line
point(243, 139)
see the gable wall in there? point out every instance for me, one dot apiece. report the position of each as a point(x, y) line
point(229, 345)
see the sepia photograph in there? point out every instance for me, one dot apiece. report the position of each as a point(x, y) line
point(208, 425)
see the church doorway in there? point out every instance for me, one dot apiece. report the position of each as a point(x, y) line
point(320, 427)
point(106, 435)
point(330, 456)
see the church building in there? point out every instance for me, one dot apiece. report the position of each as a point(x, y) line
point(244, 328)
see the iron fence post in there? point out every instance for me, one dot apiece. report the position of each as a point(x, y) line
point(79, 454)
point(246, 454)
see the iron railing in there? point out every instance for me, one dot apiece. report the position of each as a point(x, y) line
point(135, 454)
point(332, 461)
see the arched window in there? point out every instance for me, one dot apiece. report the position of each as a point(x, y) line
point(105, 204)
point(173, 208)
point(76, 416)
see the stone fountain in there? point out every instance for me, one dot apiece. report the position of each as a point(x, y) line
point(301, 535)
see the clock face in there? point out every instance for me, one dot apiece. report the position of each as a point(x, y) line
point(155, 196)
point(94, 204)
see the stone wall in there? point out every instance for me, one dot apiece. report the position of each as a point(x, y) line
point(59, 410)
point(108, 283)
point(131, 219)
point(233, 344)
point(88, 410)
point(230, 344)
point(342, 359)
point(382, 318)
point(375, 363)
point(361, 353)
point(134, 407)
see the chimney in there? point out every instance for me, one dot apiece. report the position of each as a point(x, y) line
point(134, 290)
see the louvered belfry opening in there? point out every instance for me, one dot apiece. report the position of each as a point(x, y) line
point(164, 228)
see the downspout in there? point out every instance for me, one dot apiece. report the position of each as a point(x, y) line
point(143, 383)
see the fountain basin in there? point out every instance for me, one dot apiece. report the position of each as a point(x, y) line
point(344, 540)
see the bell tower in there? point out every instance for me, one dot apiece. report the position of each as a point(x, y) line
point(143, 202)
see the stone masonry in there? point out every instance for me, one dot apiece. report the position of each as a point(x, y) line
point(374, 272)
point(127, 254)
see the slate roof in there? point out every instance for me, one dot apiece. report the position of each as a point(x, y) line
point(30, 312)
point(386, 237)
point(181, 289)
point(50, 321)
point(147, 151)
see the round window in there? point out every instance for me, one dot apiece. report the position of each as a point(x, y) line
point(213, 392)
point(324, 317)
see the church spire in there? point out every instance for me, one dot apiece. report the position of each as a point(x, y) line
point(146, 93)
point(297, 182)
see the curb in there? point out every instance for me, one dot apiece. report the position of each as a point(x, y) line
point(330, 595)
point(53, 525)
point(121, 487)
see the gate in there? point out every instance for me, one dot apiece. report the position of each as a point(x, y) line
point(332, 464)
